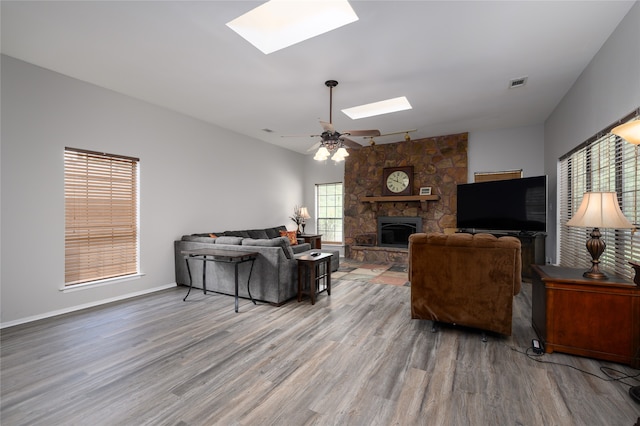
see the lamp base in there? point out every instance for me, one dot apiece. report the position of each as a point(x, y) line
point(595, 274)
point(595, 247)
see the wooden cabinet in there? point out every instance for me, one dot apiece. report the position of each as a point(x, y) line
point(594, 318)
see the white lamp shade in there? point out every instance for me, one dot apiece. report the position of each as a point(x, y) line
point(343, 152)
point(322, 154)
point(600, 210)
point(304, 213)
point(629, 131)
point(319, 157)
point(340, 155)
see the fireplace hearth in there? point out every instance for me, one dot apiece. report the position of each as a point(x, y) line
point(394, 231)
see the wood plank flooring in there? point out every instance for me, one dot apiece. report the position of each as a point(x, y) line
point(355, 358)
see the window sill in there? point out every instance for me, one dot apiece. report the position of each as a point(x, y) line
point(100, 283)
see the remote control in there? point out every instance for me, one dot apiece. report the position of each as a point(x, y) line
point(314, 254)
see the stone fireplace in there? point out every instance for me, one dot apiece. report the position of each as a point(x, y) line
point(438, 162)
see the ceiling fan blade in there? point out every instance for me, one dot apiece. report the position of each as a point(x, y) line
point(328, 127)
point(350, 143)
point(363, 132)
point(398, 133)
point(314, 146)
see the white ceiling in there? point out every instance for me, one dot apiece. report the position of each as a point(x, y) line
point(452, 59)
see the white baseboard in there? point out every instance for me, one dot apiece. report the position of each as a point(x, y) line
point(84, 306)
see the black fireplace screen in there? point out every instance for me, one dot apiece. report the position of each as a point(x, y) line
point(395, 231)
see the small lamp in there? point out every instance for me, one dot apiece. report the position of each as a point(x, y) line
point(598, 210)
point(304, 214)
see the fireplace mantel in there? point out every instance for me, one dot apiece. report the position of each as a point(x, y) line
point(399, 199)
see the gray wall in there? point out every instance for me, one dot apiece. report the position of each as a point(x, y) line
point(194, 177)
point(607, 90)
point(507, 149)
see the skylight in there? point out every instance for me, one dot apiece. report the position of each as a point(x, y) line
point(277, 24)
point(378, 108)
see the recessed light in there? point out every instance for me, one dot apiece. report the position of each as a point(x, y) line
point(378, 108)
point(277, 24)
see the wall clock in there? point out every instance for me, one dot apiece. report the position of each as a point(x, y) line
point(397, 180)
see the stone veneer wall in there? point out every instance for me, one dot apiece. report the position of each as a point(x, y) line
point(439, 162)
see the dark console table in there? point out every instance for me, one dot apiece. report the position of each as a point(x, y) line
point(222, 256)
point(581, 316)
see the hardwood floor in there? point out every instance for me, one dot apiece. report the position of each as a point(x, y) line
point(355, 358)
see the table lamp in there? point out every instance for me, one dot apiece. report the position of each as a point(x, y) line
point(598, 210)
point(304, 214)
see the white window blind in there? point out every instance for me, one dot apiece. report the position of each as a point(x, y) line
point(101, 218)
point(604, 163)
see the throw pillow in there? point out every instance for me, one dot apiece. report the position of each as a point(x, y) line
point(293, 240)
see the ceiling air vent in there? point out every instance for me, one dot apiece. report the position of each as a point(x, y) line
point(517, 82)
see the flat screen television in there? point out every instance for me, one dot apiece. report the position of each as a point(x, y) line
point(514, 205)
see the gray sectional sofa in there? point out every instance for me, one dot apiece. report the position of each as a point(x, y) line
point(274, 278)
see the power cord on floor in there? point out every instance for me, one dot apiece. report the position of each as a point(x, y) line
point(618, 375)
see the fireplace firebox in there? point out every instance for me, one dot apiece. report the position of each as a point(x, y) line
point(394, 231)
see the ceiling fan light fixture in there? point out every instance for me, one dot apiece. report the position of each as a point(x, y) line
point(378, 108)
point(277, 24)
point(322, 154)
point(340, 155)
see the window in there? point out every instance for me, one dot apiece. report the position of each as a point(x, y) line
point(603, 163)
point(329, 214)
point(101, 216)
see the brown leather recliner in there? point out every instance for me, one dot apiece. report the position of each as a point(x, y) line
point(465, 279)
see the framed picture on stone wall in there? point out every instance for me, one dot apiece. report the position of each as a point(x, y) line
point(425, 190)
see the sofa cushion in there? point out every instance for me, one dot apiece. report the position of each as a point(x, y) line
point(198, 239)
point(275, 232)
point(258, 234)
point(282, 242)
point(236, 241)
point(243, 234)
point(293, 240)
point(207, 234)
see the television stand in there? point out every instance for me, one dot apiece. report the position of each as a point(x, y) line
point(532, 249)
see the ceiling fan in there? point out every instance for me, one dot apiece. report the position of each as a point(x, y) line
point(407, 137)
point(331, 139)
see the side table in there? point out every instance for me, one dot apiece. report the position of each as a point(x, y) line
point(222, 256)
point(314, 239)
point(581, 316)
point(314, 275)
